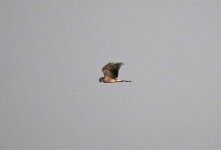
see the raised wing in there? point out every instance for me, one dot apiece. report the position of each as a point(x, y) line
point(112, 69)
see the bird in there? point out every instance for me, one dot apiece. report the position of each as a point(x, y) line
point(111, 71)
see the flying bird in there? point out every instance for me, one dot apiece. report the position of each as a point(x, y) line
point(111, 71)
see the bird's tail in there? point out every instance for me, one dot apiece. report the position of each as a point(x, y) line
point(123, 81)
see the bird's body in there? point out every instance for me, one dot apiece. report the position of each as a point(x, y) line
point(111, 71)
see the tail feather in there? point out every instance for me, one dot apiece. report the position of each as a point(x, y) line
point(123, 81)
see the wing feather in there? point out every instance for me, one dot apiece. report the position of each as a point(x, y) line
point(112, 69)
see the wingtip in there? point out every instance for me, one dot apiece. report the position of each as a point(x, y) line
point(112, 62)
point(121, 63)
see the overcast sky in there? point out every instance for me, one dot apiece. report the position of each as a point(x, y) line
point(51, 55)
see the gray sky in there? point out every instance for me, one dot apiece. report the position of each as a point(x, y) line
point(51, 55)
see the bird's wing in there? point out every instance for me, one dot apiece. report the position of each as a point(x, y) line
point(112, 69)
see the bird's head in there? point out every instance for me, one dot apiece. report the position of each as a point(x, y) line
point(101, 79)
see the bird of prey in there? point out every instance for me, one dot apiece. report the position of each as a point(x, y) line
point(111, 71)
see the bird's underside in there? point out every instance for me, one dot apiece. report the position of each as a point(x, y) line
point(111, 71)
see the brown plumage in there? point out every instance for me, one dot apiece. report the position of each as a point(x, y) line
point(111, 71)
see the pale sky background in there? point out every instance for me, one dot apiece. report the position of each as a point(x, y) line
point(51, 55)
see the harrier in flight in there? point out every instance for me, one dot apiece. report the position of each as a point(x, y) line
point(110, 71)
